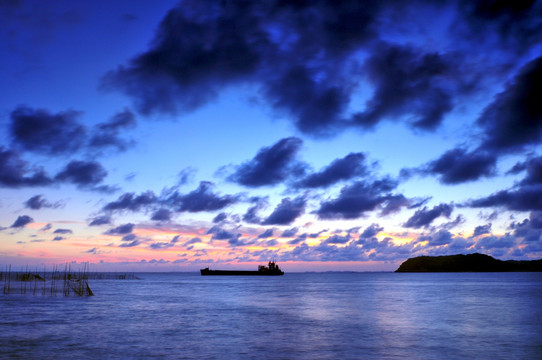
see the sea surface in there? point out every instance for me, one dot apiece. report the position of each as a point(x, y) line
point(295, 316)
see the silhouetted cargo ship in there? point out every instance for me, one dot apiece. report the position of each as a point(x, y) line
point(271, 270)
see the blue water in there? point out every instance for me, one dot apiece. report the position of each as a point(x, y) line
point(297, 316)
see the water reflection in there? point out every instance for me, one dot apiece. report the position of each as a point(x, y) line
point(298, 316)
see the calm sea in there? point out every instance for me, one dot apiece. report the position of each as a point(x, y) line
point(296, 316)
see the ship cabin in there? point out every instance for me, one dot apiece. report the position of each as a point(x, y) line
point(271, 267)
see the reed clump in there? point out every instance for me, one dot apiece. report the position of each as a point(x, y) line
point(61, 280)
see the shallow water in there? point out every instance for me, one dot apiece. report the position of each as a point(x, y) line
point(296, 316)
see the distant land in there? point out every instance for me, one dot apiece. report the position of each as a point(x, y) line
point(467, 263)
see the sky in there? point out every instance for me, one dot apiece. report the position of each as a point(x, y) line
point(325, 135)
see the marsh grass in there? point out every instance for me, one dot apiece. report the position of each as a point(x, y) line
point(61, 280)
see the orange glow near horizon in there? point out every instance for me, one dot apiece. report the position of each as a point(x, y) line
point(398, 239)
point(38, 247)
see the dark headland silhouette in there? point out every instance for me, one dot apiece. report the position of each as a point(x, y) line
point(467, 263)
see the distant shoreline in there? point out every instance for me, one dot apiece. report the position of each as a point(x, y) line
point(468, 263)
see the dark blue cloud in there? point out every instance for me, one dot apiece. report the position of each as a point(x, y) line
point(92, 251)
point(289, 232)
point(201, 199)
point(271, 165)
point(424, 217)
point(192, 241)
point(130, 244)
point(315, 106)
point(165, 245)
point(371, 231)
point(534, 171)
point(63, 231)
point(394, 204)
point(132, 202)
point(525, 198)
point(459, 166)
point(251, 216)
point(337, 239)
point(356, 199)
point(108, 134)
point(266, 234)
point(514, 119)
point(236, 45)
point(22, 221)
point(304, 57)
point(186, 175)
point(129, 237)
point(489, 243)
point(122, 120)
point(220, 217)
point(58, 238)
point(286, 212)
point(529, 230)
point(161, 215)
point(221, 234)
point(301, 238)
point(121, 229)
point(163, 207)
point(409, 82)
point(82, 173)
point(482, 230)
point(536, 219)
point(459, 219)
point(100, 220)
point(41, 131)
point(14, 171)
point(39, 202)
point(351, 166)
point(517, 23)
point(442, 237)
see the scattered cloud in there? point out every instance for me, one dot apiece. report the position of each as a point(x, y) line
point(512, 121)
point(220, 217)
point(100, 220)
point(458, 166)
point(131, 202)
point(524, 196)
point(482, 230)
point(161, 215)
point(286, 212)
point(121, 230)
point(371, 231)
point(356, 199)
point(271, 165)
point(22, 221)
point(351, 166)
point(14, 171)
point(39, 130)
point(107, 134)
point(63, 231)
point(409, 82)
point(424, 217)
point(266, 234)
point(289, 232)
point(201, 199)
point(38, 202)
point(82, 173)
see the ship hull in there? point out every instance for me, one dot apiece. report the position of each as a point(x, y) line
point(207, 272)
